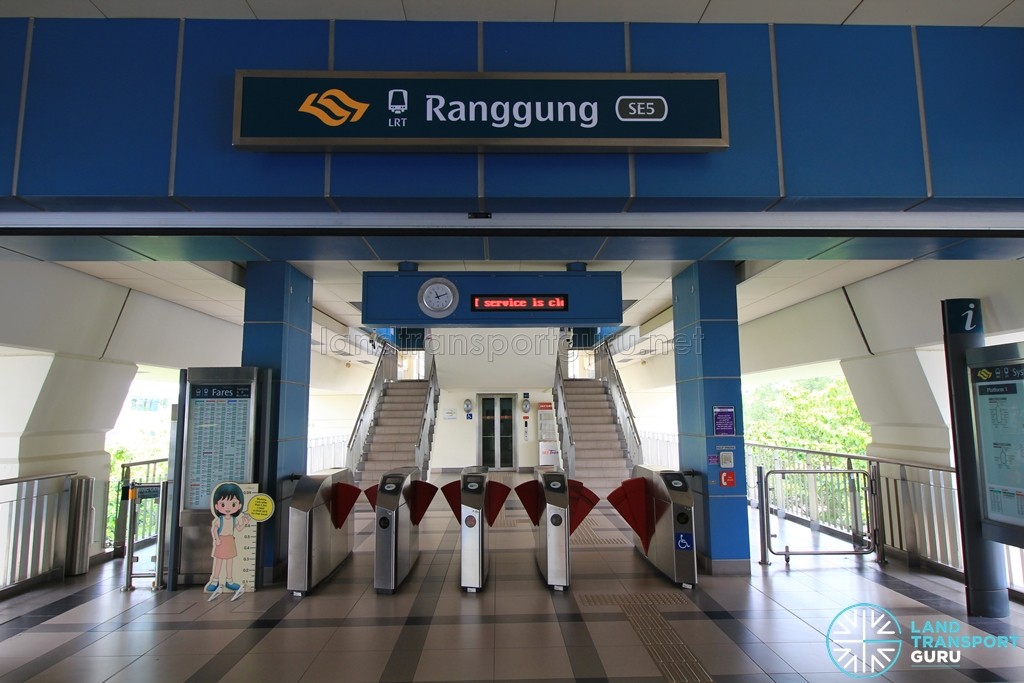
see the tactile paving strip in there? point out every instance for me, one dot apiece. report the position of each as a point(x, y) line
point(676, 661)
point(586, 534)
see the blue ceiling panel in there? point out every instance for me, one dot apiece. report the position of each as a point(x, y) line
point(405, 46)
point(768, 247)
point(554, 204)
point(408, 204)
point(98, 109)
point(13, 33)
point(983, 249)
point(557, 176)
point(563, 46)
point(692, 204)
point(268, 204)
point(69, 248)
point(65, 203)
point(803, 203)
point(750, 167)
point(427, 176)
point(310, 247)
point(423, 247)
point(187, 247)
point(882, 248)
point(848, 101)
point(627, 248)
point(207, 165)
point(543, 248)
point(971, 78)
point(972, 204)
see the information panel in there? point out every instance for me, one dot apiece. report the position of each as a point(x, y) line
point(997, 392)
point(218, 439)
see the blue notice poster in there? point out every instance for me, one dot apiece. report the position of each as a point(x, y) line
point(725, 420)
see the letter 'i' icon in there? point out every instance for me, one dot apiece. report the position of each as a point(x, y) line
point(969, 315)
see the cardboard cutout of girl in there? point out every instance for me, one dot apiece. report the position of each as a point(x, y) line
point(227, 503)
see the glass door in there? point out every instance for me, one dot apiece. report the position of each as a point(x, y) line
point(497, 434)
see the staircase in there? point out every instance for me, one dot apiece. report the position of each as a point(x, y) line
point(601, 462)
point(395, 430)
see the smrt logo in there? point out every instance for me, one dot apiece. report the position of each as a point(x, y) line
point(334, 107)
point(984, 374)
point(864, 641)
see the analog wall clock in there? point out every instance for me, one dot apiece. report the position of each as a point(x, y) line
point(438, 297)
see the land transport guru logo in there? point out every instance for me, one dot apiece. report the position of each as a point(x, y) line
point(865, 641)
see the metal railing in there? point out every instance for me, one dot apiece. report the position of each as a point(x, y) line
point(385, 372)
point(658, 448)
point(142, 471)
point(565, 440)
point(604, 368)
point(918, 518)
point(327, 452)
point(429, 418)
point(34, 514)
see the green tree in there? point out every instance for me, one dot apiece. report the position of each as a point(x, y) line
point(815, 414)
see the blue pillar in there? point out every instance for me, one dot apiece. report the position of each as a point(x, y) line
point(709, 402)
point(276, 335)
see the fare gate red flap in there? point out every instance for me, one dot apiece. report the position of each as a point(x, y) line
point(495, 498)
point(631, 501)
point(453, 494)
point(371, 495)
point(343, 498)
point(531, 495)
point(422, 493)
point(581, 501)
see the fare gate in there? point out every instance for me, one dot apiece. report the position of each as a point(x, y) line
point(321, 530)
point(657, 503)
point(399, 502)
point(556, 506)
point(475, 501)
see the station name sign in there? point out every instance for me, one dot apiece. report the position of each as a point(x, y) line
point(471, 112)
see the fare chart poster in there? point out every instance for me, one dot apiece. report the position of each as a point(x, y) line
point(999, 415)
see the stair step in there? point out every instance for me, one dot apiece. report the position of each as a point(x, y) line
point(390, 420)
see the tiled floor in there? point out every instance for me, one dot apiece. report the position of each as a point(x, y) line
point(620, 620)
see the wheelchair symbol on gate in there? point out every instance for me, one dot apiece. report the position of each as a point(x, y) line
point(684, 541)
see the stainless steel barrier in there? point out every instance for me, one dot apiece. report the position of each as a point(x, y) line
point(556, 505)
point(137, 495)
point(80, 525)
point(658, 505)
point(476, 501)
point(399, 501)
point(321, 530)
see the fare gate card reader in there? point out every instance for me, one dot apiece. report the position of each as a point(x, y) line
point(476, 501)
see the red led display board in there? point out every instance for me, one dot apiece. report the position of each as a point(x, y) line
point(519, 302)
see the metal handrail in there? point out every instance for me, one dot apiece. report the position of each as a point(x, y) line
point(881, 461)
point(35, 517)
point(624, 412)
point(385, 371)
point(429, 418)
point(150, 523)
point(565, 439)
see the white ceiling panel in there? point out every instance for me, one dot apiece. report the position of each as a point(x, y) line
point(173, 9)
point(49, 8)
point(927, 12)
point(390, 10)
point(480, 10)
point(172, 270)
point(778, 11)
point(158, 288)
point(329, 272)
point(682, 11)
point(105, 270)
point(1012, 16)
point(220, 290)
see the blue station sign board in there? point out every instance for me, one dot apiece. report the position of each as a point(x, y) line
point(471, 112)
